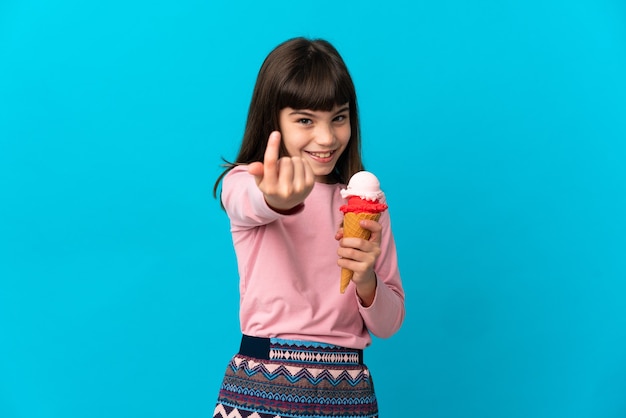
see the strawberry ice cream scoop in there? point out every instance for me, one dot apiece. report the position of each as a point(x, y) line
point(363, 194)
point(358, 205)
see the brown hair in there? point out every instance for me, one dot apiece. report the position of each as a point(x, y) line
point(302, 74)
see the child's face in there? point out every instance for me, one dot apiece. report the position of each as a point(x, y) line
point(318, 136)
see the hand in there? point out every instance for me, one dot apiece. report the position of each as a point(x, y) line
point(360, 255)
point(285, 182)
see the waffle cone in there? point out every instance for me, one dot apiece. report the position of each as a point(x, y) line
point(351, 228)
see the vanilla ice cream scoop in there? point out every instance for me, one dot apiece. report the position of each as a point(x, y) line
point(364, 185)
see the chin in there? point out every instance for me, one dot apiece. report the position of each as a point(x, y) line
point(323, 172)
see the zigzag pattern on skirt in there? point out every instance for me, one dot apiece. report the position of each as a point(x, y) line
point(223, 411)
point(296, 394)
point(295, 373)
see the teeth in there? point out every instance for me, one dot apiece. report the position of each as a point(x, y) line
point(321, 154)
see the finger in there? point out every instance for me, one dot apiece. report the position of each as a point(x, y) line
point(256, 169)
point(352, 259)
point(356, 259)
point(285, 174)
point(348, 253)
point(345, 263)
point(374, 227)
point(309, 175)
point(270, 159)
point(299, 182)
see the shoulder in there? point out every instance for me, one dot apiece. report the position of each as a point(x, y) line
point(237, 175)
point(238, 184)
point(237, 170)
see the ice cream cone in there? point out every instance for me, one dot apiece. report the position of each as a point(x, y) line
point(365, 201)
point(351, 228)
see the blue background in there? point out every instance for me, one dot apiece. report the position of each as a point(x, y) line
point(497, 128)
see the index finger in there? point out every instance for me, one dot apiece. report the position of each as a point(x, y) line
point(270, 159)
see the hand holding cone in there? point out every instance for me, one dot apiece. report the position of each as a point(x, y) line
point(365, 202)
point(352, 228)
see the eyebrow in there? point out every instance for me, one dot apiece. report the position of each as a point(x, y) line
point(305, 112)
point(343, 109)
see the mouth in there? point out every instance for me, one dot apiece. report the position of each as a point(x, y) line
point(322, 156)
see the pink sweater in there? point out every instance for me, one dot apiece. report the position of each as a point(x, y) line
point(289, 278)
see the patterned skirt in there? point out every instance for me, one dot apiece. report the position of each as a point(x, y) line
point(275, 378)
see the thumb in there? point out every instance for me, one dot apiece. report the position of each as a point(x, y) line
point(256, 169)
point(374, 227)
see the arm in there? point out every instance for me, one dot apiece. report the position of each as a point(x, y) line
point(385, 315)
point(376, 276)
point(268, 189)
point(244, 202)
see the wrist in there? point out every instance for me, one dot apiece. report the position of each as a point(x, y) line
point(367, 291)
point(291, 211)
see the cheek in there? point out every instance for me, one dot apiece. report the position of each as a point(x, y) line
point(291, 141)
point(344, 134)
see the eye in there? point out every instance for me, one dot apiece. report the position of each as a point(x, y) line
point(341, 118)
point(305, 121)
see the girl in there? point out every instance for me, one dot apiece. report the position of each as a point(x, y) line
point(301, 352)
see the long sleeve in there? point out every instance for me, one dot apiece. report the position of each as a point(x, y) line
point(288, 272)
point(385, 315)
point(244, 202)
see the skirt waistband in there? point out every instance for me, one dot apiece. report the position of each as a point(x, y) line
point(300, 352)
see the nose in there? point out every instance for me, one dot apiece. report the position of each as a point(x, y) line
point(325, 135)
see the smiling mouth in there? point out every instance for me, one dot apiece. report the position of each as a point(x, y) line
point(321, 155)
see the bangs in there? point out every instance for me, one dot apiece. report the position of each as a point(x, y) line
point(316, 86)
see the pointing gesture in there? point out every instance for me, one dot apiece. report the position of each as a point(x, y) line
point(285, 182)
